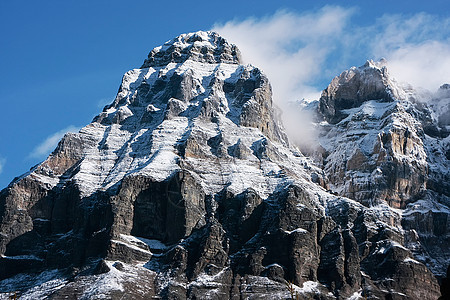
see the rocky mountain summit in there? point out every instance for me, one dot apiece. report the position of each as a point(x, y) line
point(381, 143)
point(187, 187)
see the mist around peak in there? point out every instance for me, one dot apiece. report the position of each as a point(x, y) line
point(302, 52)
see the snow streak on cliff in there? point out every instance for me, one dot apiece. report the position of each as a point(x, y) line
point(186, 186)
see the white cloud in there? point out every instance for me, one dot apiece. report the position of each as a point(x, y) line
point(290, 48)
point(426, 65)
point(417, 48)
point(300, 53)
point(2, 164)
point(104, 101)
point(50, 143)
point(293, 50)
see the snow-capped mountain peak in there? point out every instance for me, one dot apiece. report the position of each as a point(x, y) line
point(185, 187)
point(352, 87)
point(201, 46)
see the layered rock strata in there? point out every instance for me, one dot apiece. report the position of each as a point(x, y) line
point(186, 187)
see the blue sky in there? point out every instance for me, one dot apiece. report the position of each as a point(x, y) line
point(62, 61)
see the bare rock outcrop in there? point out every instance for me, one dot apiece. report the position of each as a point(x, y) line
point(206, 47)
point(186, 187)
point(377, 148)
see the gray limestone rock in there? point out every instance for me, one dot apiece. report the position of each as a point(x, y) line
point(186, 187)
point(353, 87)
point(193, 47)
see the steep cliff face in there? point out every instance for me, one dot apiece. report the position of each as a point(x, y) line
point(391, 149)
point(186, 187)
point(382, 143)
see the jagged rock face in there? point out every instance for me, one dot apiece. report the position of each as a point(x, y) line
point(355, 86)
point(392, 151)
point(203, 47)
point(167, 211)
point(377, 153)
point(186, 187)
point(381, 150)
point(441, 106)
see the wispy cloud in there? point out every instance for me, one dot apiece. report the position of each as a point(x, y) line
point(290, 48)
point(50, 143)
point(297, 51)
point(2, 164)
point(417, 48)
point(426, 65)
point(301, 52)
point(294, 51)
point(104, 101)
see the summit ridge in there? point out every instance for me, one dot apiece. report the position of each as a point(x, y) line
point(201, 46)
point(187, 187)
point(371, 81)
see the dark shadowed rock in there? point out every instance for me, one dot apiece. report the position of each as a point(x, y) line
point(186, 187)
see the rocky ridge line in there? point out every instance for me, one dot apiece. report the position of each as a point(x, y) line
point(185, 187)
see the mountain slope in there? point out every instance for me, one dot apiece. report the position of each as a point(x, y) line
point(383, 144)
point(186, 186)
